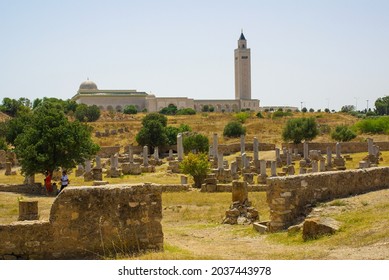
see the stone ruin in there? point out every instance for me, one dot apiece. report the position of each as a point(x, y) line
point(88, 223)
point(240, 211)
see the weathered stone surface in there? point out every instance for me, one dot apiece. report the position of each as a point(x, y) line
point(90, 223)
point(260, 227)
point(307, 189)
point(318, 226)
point(28, 210)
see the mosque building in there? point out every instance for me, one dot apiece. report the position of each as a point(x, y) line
point(116, 100)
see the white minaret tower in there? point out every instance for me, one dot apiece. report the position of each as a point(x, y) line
point(242, 70)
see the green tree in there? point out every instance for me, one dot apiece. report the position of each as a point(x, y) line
point(234, 129)
point(130, 109)
point(152, 134)
point(347, 108)
point(304, 110)
point(300, 129)
point(12, 107)
point(85, 113)
point(196, 165)
point(155, 116)
point(205, 108)
point(16, 126)
point(171, 134)
point(49, 141)
point(382, 105)
point(196, 142)
point(343, 133)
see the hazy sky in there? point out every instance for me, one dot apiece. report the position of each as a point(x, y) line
point(316, 52)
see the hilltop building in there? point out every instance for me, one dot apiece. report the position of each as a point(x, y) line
point(88, 92)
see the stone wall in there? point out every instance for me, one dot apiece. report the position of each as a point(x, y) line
point(346, 147)
point(90, 223)
point(290, 197)
point(35, 189)
point(227, 149)
point(228, 188)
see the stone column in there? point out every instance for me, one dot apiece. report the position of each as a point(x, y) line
point(180, 148)
point(215, 145)
point(315, 166)
point(145, 156)
point(262, 167)
point(239, 192)
point(170, 154)
point(28, 210)
point(322, 165)
point(88, 166)
point(234, 168)
point(184, 180)
point(338, 150)
point(256, 149)
point(242, 144)
point(288, 158)
point(329, 157)
point(306, 151)
point(220, 161)
point(116, 160)
point(130, 154)
point(156, 154)
point(273, 168)
point(244, 161)
point(80, 170)
point(278, 156)
point(370, 147)
point(8, 168)
point(98, 162)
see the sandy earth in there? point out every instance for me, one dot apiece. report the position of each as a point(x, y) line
point(221, 243)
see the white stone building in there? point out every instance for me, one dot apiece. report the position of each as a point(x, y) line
point(116, 100)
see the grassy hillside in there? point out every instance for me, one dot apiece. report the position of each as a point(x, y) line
point(267, 129)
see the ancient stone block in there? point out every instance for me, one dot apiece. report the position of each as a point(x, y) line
point(318, 226)
point(28, 210)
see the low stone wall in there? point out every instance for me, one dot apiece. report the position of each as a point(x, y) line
point(35, 189)
point(90, 223)
point(346, 147)
point(227, 149)
point(290, 197)
point(228, 188)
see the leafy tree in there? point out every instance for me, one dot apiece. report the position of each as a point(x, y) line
point(234, 129)
point(327, 110)
point(130, 109)
point(343, 133)
point(205, 108)
point(87, 113)
point(196, 142)
point(12, 107)
point(49, 141)
point(304, 110)
point(382, 105)
point(16, 126)
point(155, 116)
point(171, 134)
point(211, 109)
point(3, 144)
point(196, 165)
point(347, 108)
point(300, 129)
point(152, 134)
point(311, 110)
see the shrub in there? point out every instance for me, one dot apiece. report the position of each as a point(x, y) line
point(259, 115)
point(85, 113)
point(196, 165)
point(186, 111)
point(169, 110)
point(234, 129)
point(343, 133)
point(130, 109)
point(300, 129)
point(304, 110)
point(280, 114)
point(373, 125)
point(242, 116)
